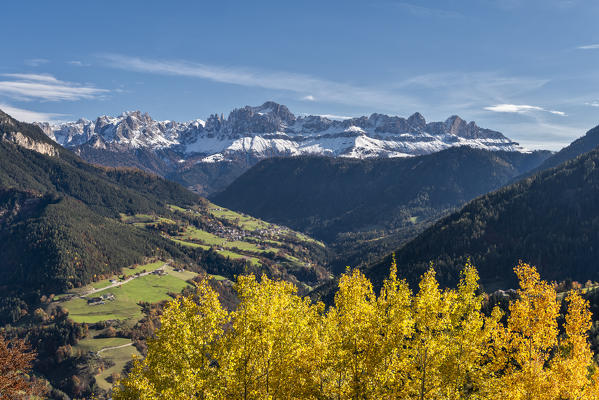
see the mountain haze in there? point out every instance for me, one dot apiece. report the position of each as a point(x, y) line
point(578, 147)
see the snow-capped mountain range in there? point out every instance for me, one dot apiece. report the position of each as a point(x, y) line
point(272, 130)
point(250, 134)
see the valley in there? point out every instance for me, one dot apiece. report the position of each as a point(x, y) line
point(239, 237)
point(126, 243)
point(364, 209)
point(92, 254)
point(315, 200)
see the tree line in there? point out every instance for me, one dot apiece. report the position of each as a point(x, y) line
point(431, 344)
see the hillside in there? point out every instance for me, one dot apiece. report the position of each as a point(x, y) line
point(61, 218)
point(550, 220)
point(344, 200)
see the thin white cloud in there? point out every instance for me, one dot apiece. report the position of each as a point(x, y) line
point(428, 12)
point(485, 84)
point(589, 47)
point(33, 77)
point(466, 93)
point(45, 87)
point(306, 85)
point(309, 98)
point(593, 104)
point(36, 62)
point(78, 63)
point(520, 109)
point(29, 115)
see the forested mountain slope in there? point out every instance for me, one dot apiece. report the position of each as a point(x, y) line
point(550, 220)
point(325, 197)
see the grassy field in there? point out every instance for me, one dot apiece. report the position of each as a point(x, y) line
point(120, 357)
point(149, 288)
point(89, 343)
point(189, 244)
point(141, 268)
point(127, 271)
point(236, 256)
point(207, 238)
point(183, 275)
point(101, 284)
point(176, 208)
point(274, 243)
point(192, 233)
point(244, 221)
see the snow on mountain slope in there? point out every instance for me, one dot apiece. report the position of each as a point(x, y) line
point(272, 130)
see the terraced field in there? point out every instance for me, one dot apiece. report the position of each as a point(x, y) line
point(230, 234)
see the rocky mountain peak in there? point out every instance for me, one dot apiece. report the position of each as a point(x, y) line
point(455, 125)
point(267, 118)
point(416, 121)
point(214, 123)
point(277, 110)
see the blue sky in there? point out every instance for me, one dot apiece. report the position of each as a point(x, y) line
point(528, 68)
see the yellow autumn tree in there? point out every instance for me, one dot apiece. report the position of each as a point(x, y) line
point(528, 339)
point(396, 326)
point(464, 369)
point(573, 363)
point(354, 340)
point(266, 349)
point(434, 344)
point(428, 346)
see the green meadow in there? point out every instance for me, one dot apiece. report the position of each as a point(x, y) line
point(149, 288)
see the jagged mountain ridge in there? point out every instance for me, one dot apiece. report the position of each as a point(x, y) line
point(272, 128)
point(188, 151)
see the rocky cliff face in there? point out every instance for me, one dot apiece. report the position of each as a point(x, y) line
point(21, 140)
point(9, 132)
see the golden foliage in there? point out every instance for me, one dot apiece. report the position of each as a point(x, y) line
point(433, 344)
point(16, 359)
